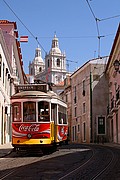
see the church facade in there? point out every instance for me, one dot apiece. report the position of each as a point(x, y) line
point(53, 68)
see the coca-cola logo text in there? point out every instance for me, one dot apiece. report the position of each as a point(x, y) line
point(32, 127)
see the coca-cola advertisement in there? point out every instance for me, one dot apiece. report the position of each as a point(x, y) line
point(37, 131)
point(62, 132)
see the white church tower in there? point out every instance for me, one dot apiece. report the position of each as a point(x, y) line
point(55, 63)
point(37, 65)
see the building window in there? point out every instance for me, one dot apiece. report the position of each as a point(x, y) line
point(74, 133)
point(75, 100)
point(83, 88)
point(101, 125)
point(84, 108)
point(78, 128)
point(84, 132)
point(58, 62)
point(75, 111)
point(40, 69)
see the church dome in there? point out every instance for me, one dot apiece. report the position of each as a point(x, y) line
point(55, 50)
point(55, 46)
point(38, 58)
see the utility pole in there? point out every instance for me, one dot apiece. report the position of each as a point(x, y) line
point(91, 133)
point(71, 62)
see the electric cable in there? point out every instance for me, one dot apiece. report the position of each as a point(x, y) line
point(97, 26)
point(24, 25)
point(98, 32)
point(109, 18)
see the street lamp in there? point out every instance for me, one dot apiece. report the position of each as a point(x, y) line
point(116, 65)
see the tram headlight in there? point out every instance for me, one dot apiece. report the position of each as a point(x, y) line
point(29, 136)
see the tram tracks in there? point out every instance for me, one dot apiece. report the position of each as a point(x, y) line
point(78, 168)
point(102, 172)
point(89, 163)
point(89, 172)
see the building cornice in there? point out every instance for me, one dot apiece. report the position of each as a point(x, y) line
point(5, 50)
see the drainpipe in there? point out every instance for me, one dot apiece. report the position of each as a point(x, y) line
point(91, 133)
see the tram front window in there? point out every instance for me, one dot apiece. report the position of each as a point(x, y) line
point(29, 112)
point(43, 111)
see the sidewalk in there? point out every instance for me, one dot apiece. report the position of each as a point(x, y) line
point(5, 149)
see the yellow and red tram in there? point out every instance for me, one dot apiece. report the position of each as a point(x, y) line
point(39, 119)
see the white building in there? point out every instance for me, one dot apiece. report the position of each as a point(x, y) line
point(11, 73)
point(37, 65)
point(55, 65)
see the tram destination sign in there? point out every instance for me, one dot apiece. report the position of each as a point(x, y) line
point(32, 87)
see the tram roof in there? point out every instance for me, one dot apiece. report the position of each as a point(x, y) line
point(35, 94)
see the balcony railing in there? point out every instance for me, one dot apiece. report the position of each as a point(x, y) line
point(114, 106)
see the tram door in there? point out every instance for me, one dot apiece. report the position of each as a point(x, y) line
point(54, 118)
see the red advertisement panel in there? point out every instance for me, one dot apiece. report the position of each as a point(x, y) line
point(31, 130)
point(62, 132)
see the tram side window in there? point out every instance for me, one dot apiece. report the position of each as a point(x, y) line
point(29, 111)
point(54, 112)
point(16, 112)
point(62, 115)
point(43, 111)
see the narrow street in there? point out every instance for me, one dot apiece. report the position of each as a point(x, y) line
point(68, 162)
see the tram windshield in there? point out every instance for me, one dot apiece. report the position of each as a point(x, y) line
point(43, 111)
point(29, 111)
point(62, 115)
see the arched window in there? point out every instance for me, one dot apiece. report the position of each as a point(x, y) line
point(58, 62)
point(40, 69)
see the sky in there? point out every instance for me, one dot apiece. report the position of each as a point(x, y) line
point(73, 22)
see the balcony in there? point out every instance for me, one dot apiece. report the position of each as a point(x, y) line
point(114, 106)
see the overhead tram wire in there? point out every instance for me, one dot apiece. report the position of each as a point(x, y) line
point(109, 18)
point(98, 32)
point(98, 20)
point(25, 26)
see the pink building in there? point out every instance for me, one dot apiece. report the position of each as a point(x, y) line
point(113, 73)
point(66, 96)
point(89, 92)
